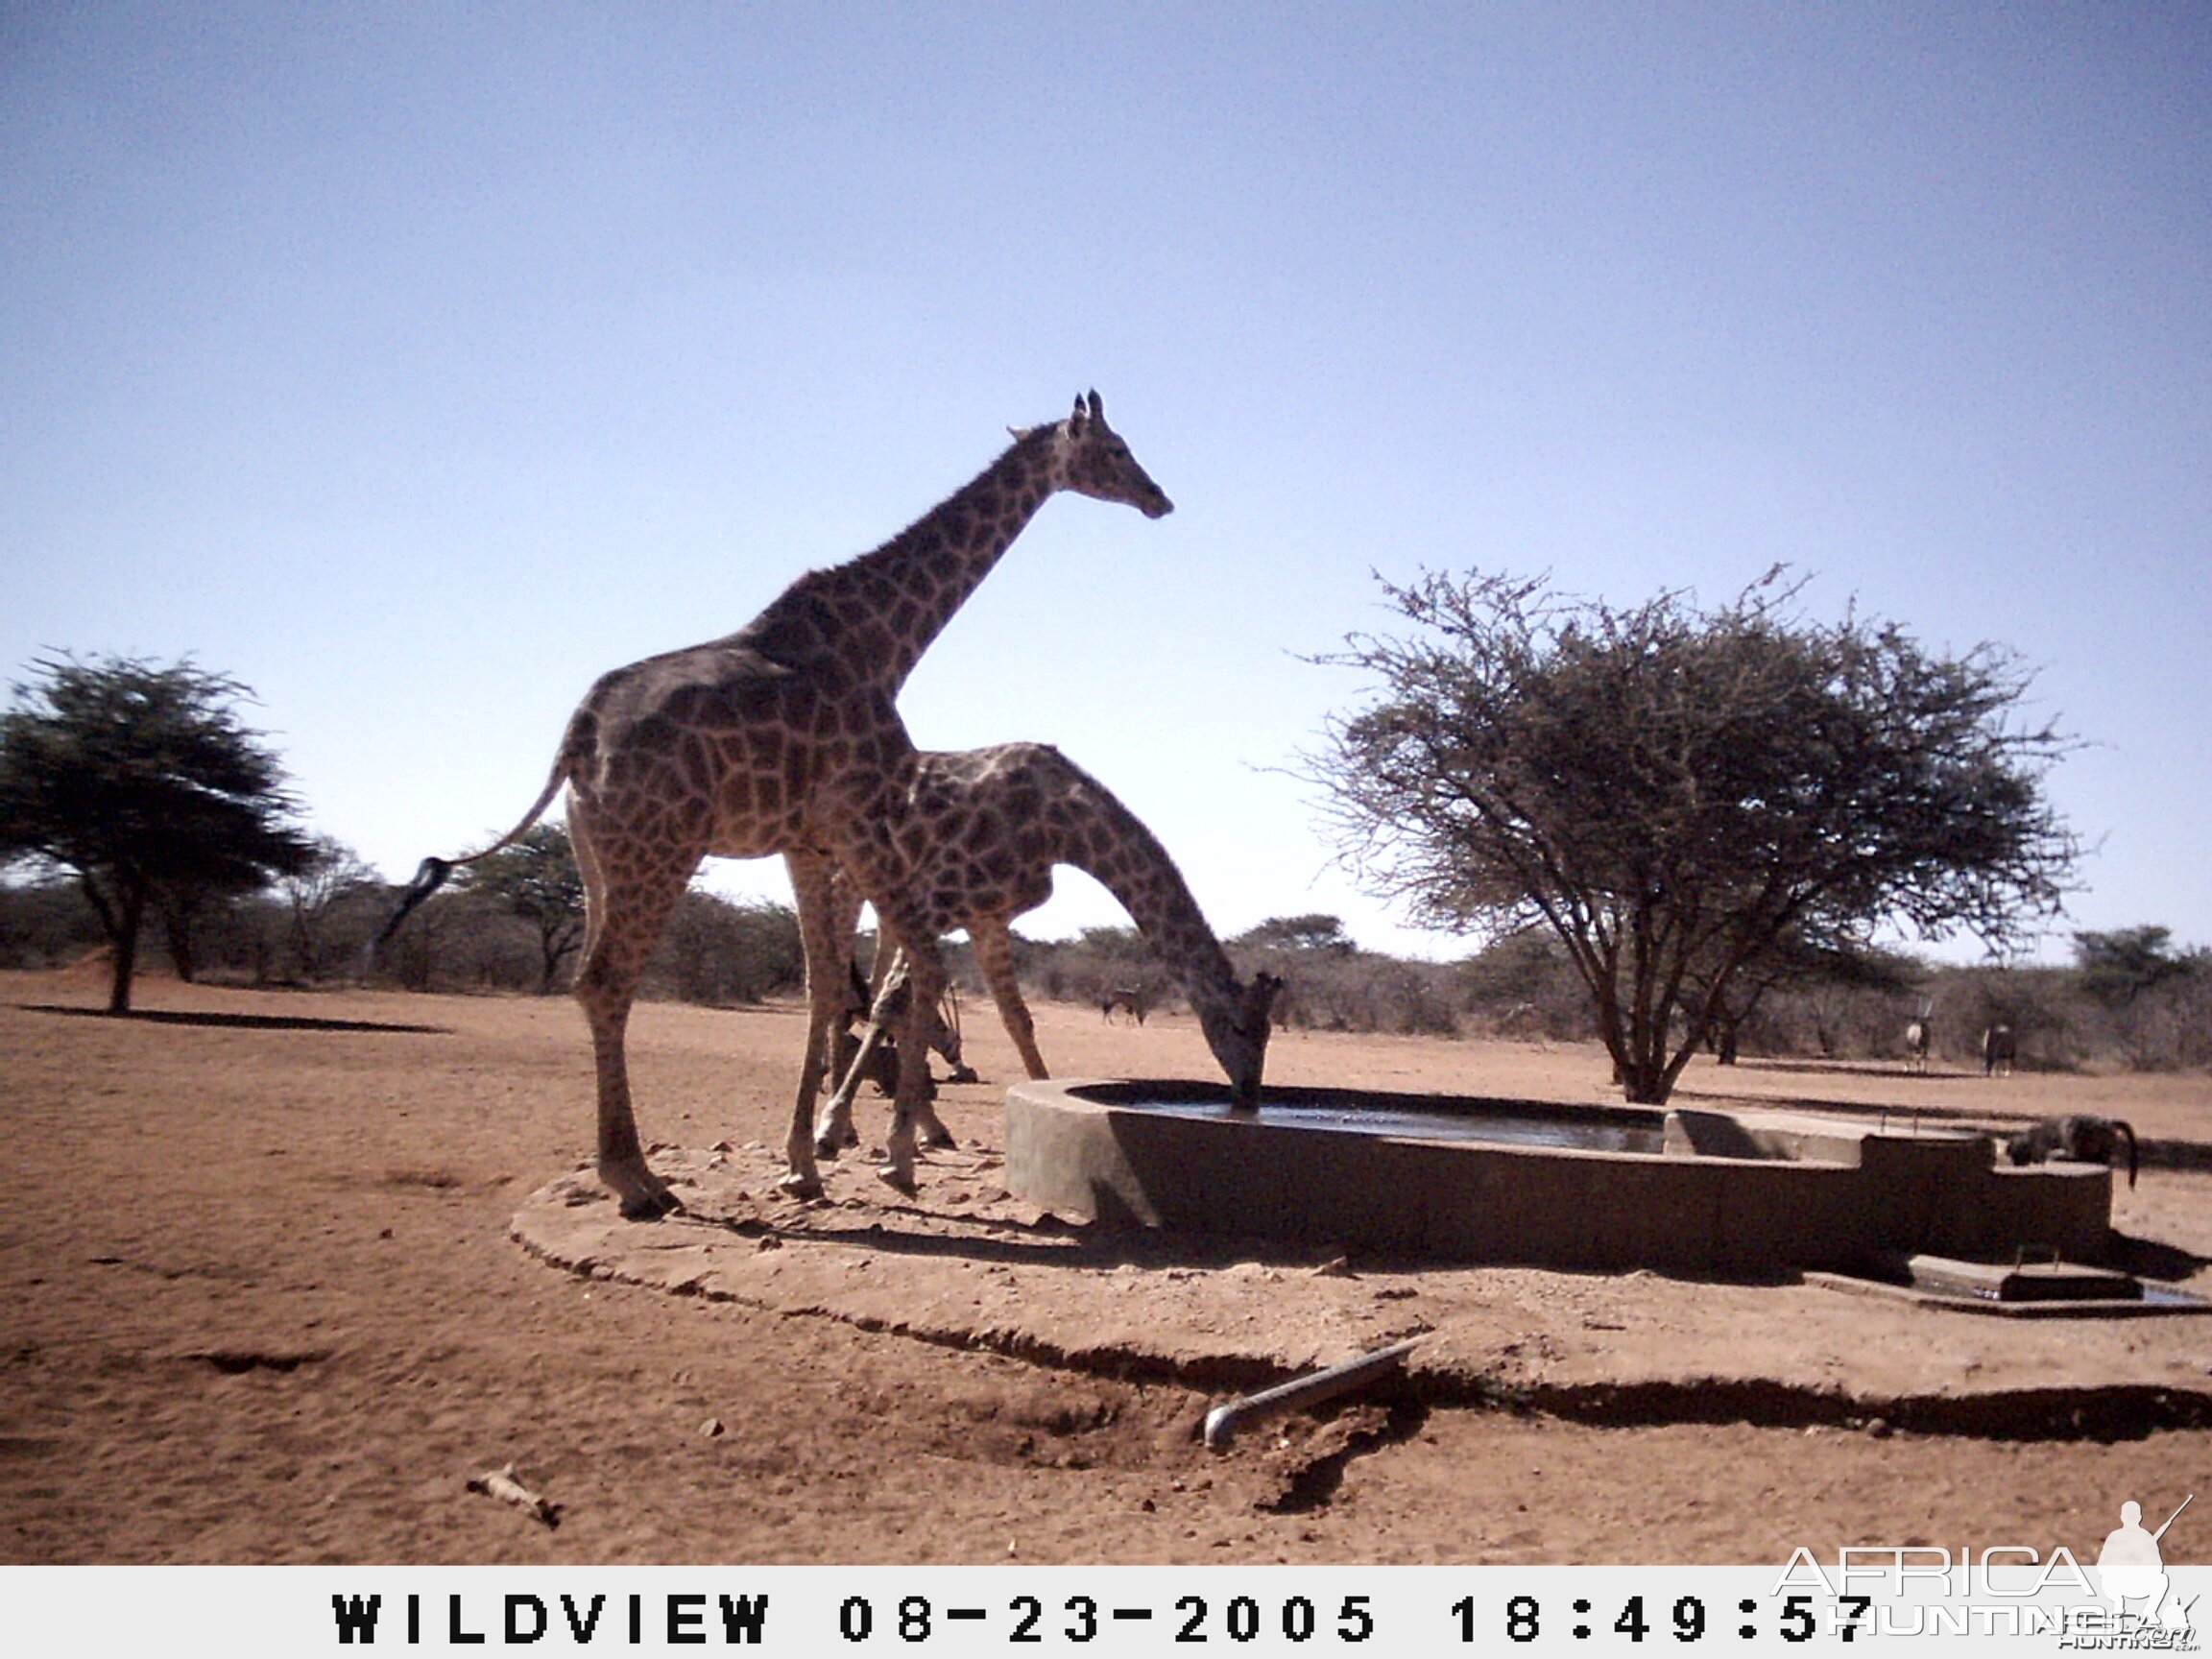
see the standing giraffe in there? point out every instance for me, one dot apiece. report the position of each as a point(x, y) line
point(784, 737)
point(976, 838)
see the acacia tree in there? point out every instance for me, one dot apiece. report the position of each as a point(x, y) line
point(1310, 933)
point(332, 878)
point(537, 878)
point(2117, 967)
point(142, 783)
point(1676, 792)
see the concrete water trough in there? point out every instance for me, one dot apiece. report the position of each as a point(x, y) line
point(1470, 1180)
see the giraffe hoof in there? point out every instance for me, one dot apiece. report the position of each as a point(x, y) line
point(902, 1180)
point(827, 1146)
point(643, 1194)
point(800, 1185)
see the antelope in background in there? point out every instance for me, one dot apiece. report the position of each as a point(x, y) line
point(1998, 1049)
point(1130, 1000)
point(1916, 1035)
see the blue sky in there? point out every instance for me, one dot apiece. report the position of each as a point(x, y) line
point(416, 365)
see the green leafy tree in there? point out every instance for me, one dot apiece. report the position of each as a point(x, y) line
point(719, 953)
point(1676, 792)
point(1312, 932)
point(1111, 941)
point(2117, 967)
point(141, 783)
point(537, 878)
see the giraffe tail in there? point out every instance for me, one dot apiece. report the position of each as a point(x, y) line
point(431, 874)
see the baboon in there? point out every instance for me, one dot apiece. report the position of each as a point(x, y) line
point(2077, 1138)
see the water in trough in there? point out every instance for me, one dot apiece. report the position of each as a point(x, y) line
point(1506, 1125)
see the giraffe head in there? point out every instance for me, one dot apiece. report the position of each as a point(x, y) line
point(1089, 457)
point(1237, 1031)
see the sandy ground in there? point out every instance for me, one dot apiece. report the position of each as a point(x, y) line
point(265, 1296)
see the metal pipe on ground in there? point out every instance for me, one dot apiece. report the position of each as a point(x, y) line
point(1310, 1389)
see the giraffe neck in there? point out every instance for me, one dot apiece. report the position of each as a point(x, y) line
point(875, 615)
point(1111, 845)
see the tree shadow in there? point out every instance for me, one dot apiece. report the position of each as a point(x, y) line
point(2175, 1154)
point(2155, 1259)
point(237, 1022)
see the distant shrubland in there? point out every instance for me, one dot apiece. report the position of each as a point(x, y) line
point(465, 939)
point(2130, 1000)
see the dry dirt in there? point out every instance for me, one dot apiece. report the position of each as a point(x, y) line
point(263, 1303)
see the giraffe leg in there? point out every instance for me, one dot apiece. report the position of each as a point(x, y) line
point(628, 908)
point(929, 1126)
point(994, 956)
point(834, 1129)
point(844, 1054)
point(811, 889)
point(926, 1123)
point(925, 984)
point(834, 1133)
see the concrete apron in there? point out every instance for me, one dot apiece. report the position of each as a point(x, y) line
point(966, 1266)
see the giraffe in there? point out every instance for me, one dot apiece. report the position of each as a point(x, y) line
point(783, 737)
point(976, 838)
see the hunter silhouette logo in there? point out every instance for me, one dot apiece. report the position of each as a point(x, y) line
point(2130, 1569)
